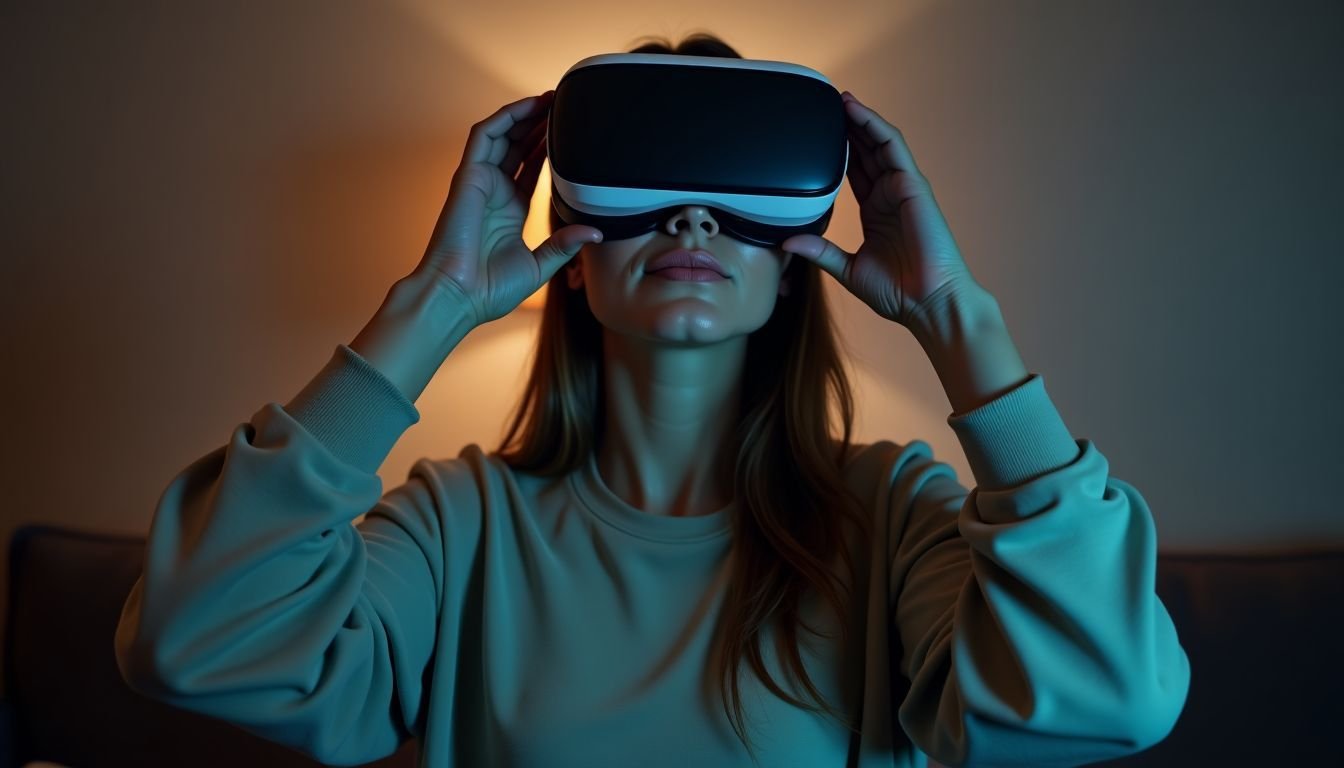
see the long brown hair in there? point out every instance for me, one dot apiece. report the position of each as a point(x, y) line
point(792, 502)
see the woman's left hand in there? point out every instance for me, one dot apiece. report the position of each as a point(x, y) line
point(908, 263)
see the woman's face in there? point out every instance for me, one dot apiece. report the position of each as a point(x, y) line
point(625, 299)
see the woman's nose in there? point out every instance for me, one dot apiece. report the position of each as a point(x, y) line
point(693, 216)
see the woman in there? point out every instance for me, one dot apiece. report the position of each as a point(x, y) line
point(672, 507)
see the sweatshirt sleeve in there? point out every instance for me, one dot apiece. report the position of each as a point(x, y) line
point(261, 604)
point(1030, 631)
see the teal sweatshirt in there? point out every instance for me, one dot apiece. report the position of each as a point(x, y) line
point(513, 620)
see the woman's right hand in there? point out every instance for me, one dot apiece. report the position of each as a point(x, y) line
point(477, 248)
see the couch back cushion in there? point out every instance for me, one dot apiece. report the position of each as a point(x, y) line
point(1263, 633)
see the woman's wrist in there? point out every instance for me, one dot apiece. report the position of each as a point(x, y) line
point(412, 333)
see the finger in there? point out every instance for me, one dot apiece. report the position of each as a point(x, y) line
point(865, 161)
point(490, 139)
point(560, 248)
point(860, 179)
point(855, 129)
point(868, 150)
point(520, 148)
point(889, 144)
point(520, 138)
point(825, 254)
point(527, 179)
point(861, 157)
point(523, 148)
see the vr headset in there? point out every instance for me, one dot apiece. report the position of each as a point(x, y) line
point(633, 137)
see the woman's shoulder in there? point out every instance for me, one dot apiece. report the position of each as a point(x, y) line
point(476, 471)
point(865, 462)
point(876, 450)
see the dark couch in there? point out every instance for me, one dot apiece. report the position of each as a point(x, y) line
point(1264, 634)
point(64, 697)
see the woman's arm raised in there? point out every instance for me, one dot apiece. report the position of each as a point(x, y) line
point(260, 604)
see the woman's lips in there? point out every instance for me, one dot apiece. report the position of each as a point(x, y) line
point(680, 257)
point(688, 273)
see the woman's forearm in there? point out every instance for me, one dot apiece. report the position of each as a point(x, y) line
point(411, 334)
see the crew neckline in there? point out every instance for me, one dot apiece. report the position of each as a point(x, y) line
point(616, 512)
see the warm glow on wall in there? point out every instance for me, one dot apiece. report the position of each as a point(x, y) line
point(537, 227)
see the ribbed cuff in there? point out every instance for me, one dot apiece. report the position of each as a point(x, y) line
point(355, 411)
point(1015, 437)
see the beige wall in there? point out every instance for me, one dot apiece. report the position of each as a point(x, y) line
point(201, 202)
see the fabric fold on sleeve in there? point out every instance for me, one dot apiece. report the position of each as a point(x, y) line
point(261, 604)
point(1029, 627)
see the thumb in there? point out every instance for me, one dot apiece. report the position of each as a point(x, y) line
point(822, 252)
point(561, 246)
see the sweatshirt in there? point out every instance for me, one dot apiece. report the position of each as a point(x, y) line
point(506, 619)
